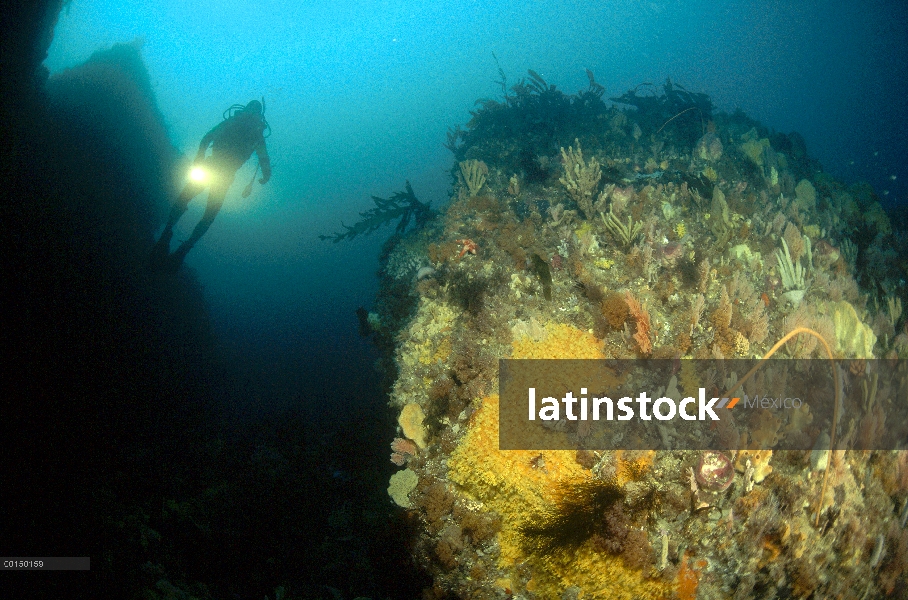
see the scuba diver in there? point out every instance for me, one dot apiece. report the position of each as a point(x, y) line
point(232, 142)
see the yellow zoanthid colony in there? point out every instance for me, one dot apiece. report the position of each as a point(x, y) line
point(581, 230)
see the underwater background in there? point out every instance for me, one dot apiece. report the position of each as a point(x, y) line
point(360, 98)
point(224, 432)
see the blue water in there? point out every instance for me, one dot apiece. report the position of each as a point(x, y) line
point(360, 96)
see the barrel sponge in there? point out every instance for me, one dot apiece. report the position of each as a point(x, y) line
point(400, 486)
point(411, 422)
point(854, 339)
point(753, 149)
point(806, 195)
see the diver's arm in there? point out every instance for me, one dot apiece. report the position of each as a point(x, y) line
point(206, 141)
point(264, 162)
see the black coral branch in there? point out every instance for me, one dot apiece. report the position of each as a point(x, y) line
point(402, 207)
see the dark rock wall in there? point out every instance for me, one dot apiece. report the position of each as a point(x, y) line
point(109, 368)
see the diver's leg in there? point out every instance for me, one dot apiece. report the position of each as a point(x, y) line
point(182, 203)
point(161, 249)
point(215, 200)
point(179, 208)
point(211, 211)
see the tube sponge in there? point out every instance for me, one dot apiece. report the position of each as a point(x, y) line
point(411, 422)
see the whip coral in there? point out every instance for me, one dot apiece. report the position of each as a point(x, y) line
point(838, 392)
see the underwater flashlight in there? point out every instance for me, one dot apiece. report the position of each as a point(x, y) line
point(198, 174)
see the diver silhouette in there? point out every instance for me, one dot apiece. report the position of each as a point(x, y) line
point(232, 142)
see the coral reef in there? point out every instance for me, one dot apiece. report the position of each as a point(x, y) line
point(676, 234)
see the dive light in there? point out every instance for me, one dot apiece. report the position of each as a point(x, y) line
point(198, 174)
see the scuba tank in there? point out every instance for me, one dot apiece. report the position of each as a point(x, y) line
point(266, 132)
point(231, 112)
